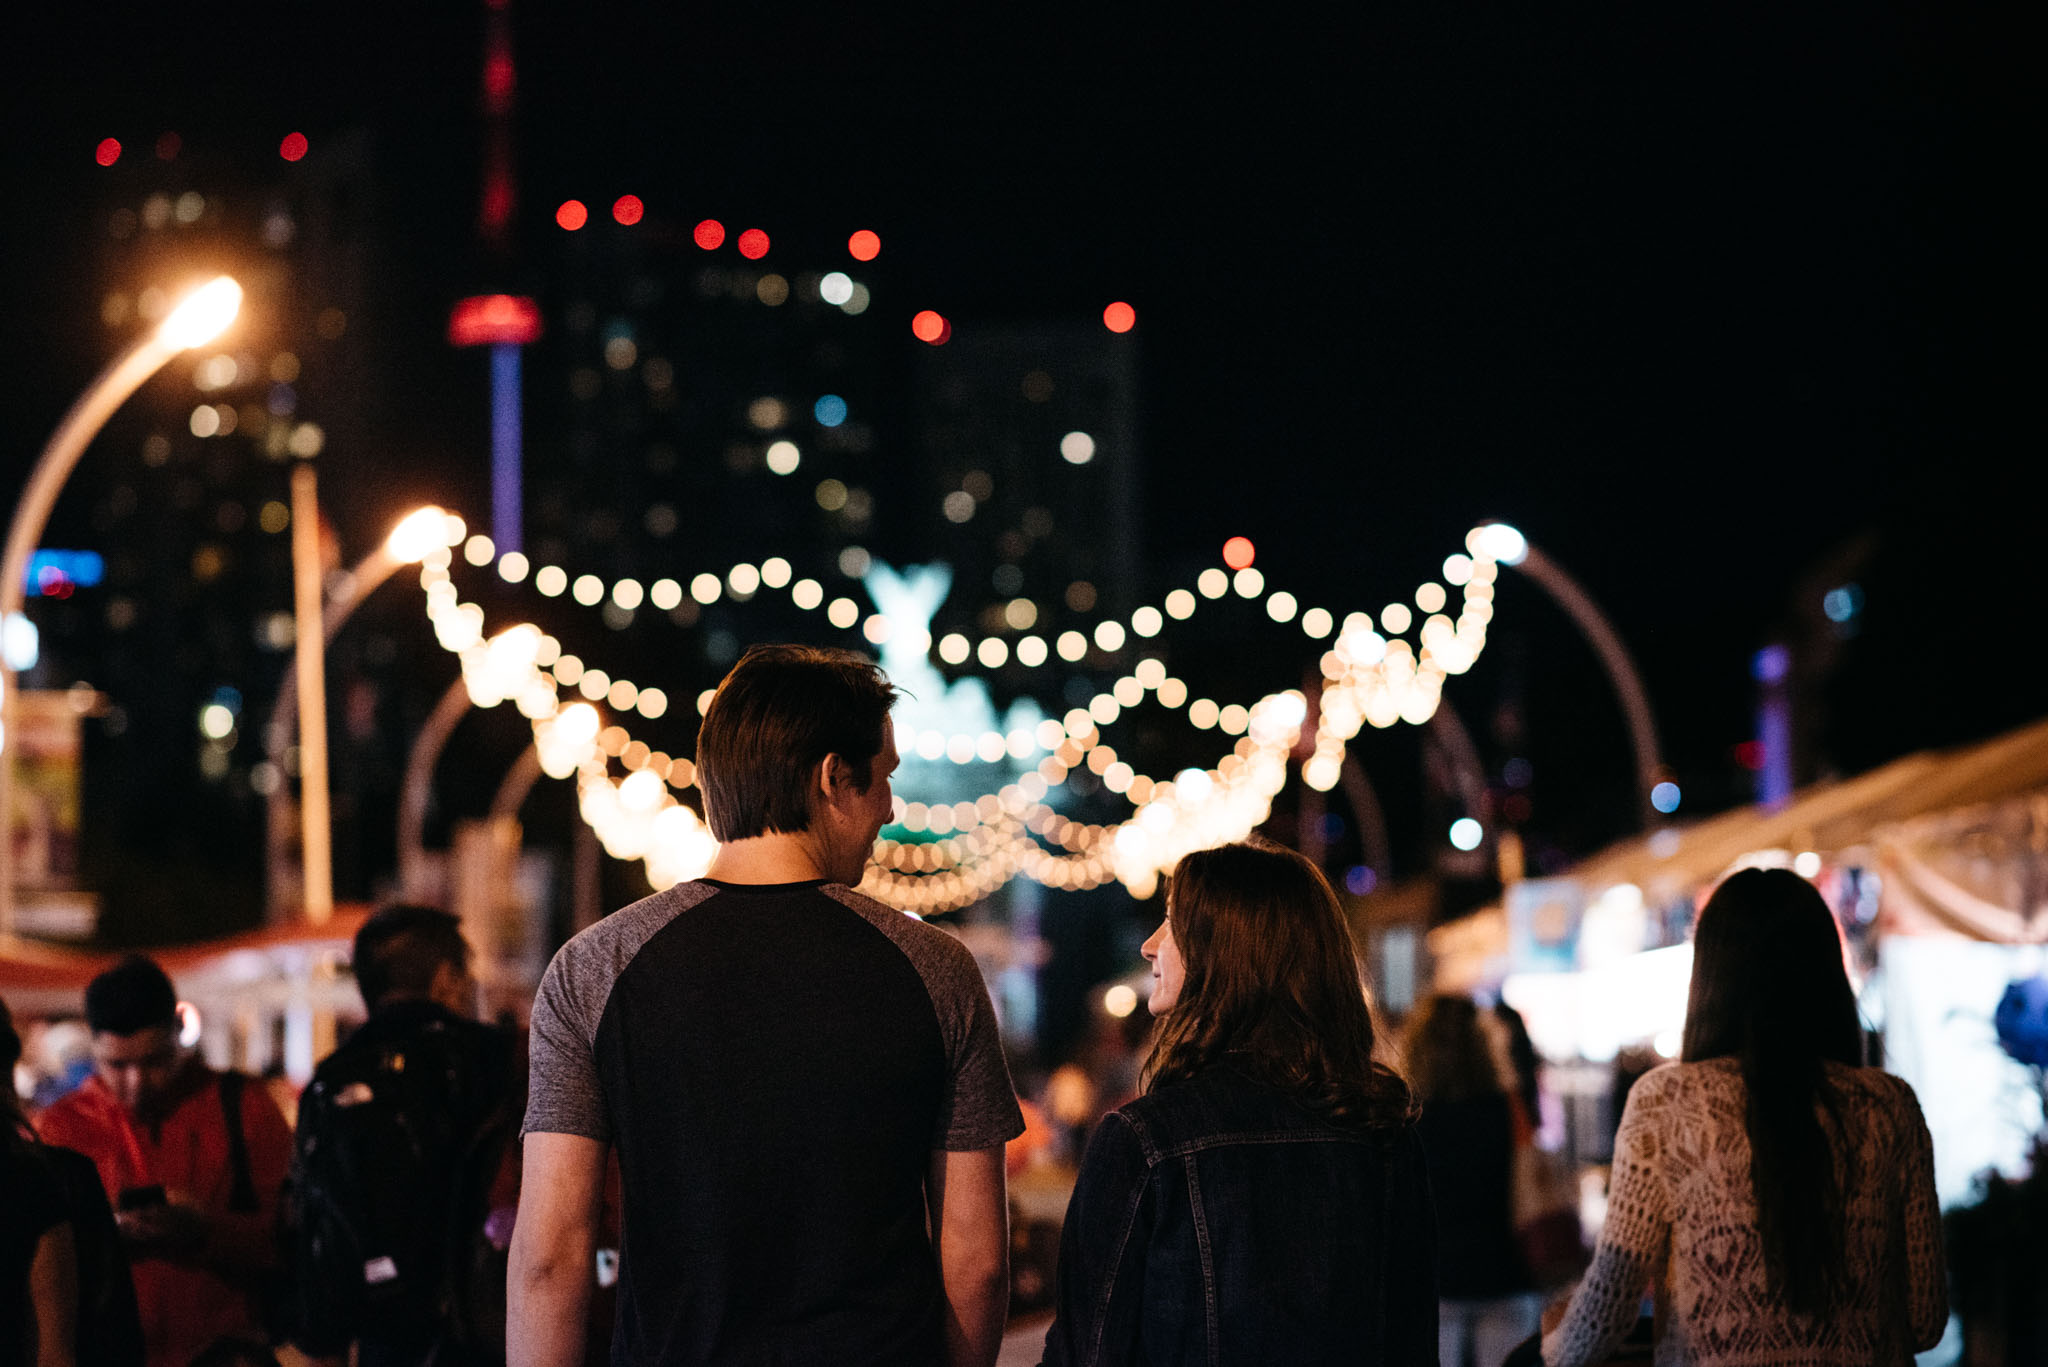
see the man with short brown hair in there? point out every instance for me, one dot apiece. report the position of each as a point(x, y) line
point(805, 1087)
point(192, 1160)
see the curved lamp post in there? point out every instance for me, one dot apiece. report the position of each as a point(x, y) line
point(417, 534)
point(199, 318)
point(1511, 548)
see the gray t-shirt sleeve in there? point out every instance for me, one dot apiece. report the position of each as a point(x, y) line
point(980, 1109)
point(563, 1093)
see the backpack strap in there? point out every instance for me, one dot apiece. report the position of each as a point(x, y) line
point(242, 1196)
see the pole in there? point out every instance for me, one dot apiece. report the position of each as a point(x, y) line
point(417, 789)
point(278, 731)
point(505, 440)
point(59, 457)
point(316, 835)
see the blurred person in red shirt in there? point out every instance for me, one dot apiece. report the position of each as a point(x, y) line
point(192, 1160)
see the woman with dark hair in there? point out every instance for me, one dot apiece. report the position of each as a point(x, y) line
point(1780, 1194)
point(65, 1295)
point(1265, 1199)
point(1488, 1300)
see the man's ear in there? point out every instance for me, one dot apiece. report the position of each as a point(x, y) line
point(835, 779)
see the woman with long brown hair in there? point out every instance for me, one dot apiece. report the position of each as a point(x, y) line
point(1265, 1198)
point(1779, 1194)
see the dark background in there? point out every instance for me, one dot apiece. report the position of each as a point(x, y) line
point(1724, 305)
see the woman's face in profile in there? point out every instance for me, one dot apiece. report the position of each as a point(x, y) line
point(1164, 956)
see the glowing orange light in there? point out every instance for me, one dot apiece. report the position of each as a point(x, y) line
point(628, 209)
point(1121, 317)
point(753, 244)
point(1238, 552)
point(864, 245)
point(108, 152)
point(293, 148)
point(928, 327)
point(709, 234)
point(572, 215)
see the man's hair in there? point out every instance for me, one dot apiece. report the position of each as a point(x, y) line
point(133, 995)
point(399, 950)
point(781, 711)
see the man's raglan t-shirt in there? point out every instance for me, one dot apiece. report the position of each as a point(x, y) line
point(775, 1065)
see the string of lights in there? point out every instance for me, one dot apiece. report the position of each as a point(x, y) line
point(1368, 678)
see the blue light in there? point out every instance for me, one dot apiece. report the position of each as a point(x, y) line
point(829, 410)
point(1665, 797)
point(1360, 880)
point(80, 569)
point(1842, 604)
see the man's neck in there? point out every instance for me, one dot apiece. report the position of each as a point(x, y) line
point(777, 857)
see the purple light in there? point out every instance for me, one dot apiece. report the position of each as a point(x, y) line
point(505, 481)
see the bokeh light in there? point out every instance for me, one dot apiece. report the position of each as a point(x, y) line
point(1238, 552)
point(829, 410)
point(709, 234)
point(1467, 833)
point(628, 210)
point(1665, 797)
point(108, 152)
point(928, 326)
point(293, 148)
point(1077, 448)
point(864, 245)
point(572, 215)
point(1119, 317)
point(753, 244)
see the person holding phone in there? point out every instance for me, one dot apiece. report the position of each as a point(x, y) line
point(192, 1160)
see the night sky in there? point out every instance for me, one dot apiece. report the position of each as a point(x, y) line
point(1696, 295)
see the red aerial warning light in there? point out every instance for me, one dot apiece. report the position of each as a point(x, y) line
point(753, 244)
point(488, 319)
point(108, 152)
point(928, 327)
point(628, 209)
point(1238, 552)
point(864, 245)
point(1121, 317)
point(293, 148)
point(572, 215)
point(709, 234)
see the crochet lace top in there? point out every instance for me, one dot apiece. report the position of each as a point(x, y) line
point(1681, 1217)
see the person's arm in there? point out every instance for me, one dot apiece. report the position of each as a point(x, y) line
point(554, 1243)
point(53, 1298)
point(967, 1195)
point(1101, 1275)
point(1632, 1242)
point(1926, 1277)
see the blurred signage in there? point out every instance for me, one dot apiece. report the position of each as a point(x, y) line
point(491, 319)
point(44, 737)
point(56, 573)
point(1544, 915)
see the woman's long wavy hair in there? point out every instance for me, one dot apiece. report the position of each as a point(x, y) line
point(1769, 991)
point(1272, 987)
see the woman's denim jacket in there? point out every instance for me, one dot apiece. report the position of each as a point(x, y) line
point(1217, 1222)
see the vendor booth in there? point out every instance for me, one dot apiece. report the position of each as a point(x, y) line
point(1937, 868)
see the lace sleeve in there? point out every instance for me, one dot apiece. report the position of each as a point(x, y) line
point(1632, 1242)
point(1926, 1280)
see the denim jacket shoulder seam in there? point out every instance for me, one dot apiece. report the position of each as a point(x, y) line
point(1212, 1141)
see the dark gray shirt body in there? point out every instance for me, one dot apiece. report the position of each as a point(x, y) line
point(775, 1065)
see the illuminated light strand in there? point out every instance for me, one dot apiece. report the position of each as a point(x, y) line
point(638, 816)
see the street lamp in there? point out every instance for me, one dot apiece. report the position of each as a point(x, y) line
point(198, 318)
point(417, 535)
point(1507, 545)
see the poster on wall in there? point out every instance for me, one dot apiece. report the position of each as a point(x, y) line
point(43, 814)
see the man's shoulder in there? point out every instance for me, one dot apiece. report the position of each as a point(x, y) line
point(80, 1113)
point(940, 958)
point(614, 940)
